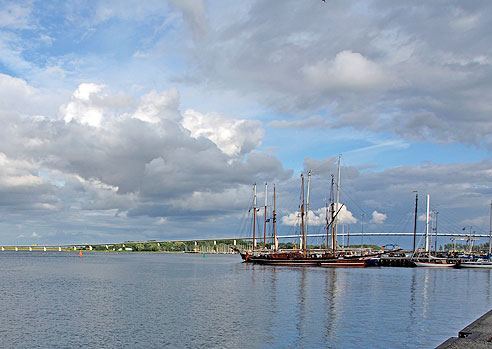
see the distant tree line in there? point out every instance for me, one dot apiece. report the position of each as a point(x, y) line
point(466, 247)
point(170, 246)
point(203, 245)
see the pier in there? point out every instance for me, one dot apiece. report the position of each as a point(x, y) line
point(396, 262)
point(478, 335)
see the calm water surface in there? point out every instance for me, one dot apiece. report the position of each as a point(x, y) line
point(155, 300)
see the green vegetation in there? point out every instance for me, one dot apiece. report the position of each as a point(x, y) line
point(466, 247)
point(202, 246)
point(221, 246)
point(374, 247)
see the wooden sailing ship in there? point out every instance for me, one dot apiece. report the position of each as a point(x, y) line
point(329, 257)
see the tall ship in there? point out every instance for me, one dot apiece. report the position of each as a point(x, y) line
point(330, 256)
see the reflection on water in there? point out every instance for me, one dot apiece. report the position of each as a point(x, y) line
point(427, 289)
point(160, 300)
point(329, 297)
point(301, 308)
point(412, 314)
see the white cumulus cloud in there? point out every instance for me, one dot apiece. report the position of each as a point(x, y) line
point(318, 217)
point(233, 137)
point(292, 219)
point(155, 106)
point(378, 218)
point(81, 108)
point(346, 217)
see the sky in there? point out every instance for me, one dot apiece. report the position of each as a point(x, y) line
point(137, 120)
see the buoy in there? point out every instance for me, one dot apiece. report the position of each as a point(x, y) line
point(80, 253)
point(204, 255)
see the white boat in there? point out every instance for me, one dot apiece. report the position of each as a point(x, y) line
point(435, 264)
point(425, 259)
point(480, 263)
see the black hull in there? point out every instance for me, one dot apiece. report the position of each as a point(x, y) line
point(305, 261)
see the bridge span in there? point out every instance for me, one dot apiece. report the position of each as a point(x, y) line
point(233, 241)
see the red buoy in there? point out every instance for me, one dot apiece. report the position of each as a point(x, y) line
point(80, 253)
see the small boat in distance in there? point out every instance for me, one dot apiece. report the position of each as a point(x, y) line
point(483, 263)
point(478, 263)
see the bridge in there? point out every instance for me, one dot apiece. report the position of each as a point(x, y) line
point(236, 241)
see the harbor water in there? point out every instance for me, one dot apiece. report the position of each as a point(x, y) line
point(155, 300)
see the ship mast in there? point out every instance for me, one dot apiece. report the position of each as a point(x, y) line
point(327, 226)
point(302, 218)
point(332, 200)
point(490, 229)
point(266, 204)
point(254, 217)
point(436, 213)
point(415, 220)
point(335, 223)
point(427, 225)
point(307, 207)
point(275, 244)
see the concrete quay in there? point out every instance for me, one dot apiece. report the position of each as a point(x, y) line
point(478, 335)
